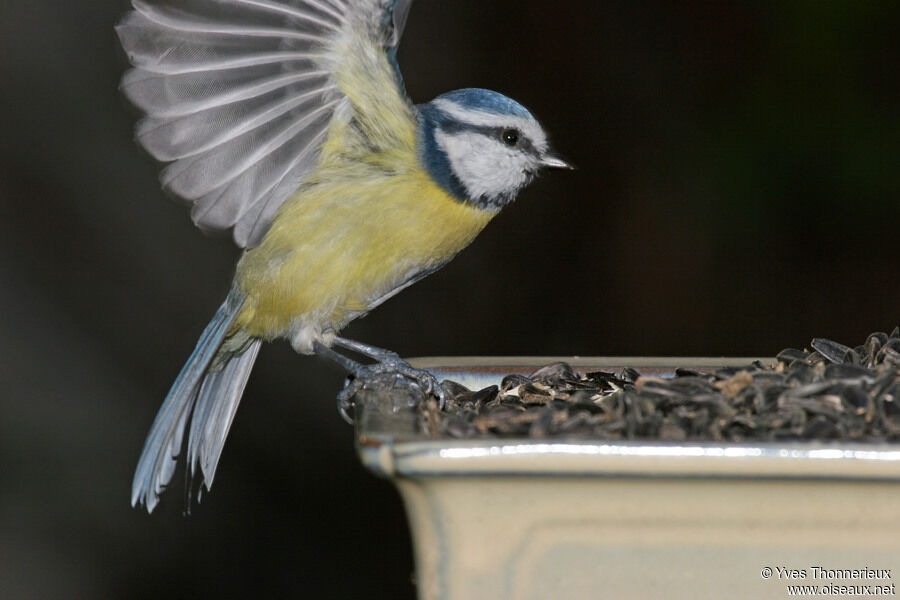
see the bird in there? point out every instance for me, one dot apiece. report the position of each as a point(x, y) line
point(287, 123)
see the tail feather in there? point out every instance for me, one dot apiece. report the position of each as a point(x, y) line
point(163, 445)
point(217, 401)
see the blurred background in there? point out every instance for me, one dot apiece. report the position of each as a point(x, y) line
point(737, 194)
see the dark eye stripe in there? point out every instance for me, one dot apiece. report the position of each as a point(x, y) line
point(522, 143)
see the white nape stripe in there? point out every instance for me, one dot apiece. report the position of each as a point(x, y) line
point(483, 118)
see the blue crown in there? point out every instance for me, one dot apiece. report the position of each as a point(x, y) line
point(488, 101)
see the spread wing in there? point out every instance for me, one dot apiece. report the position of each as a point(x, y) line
point(238, 98)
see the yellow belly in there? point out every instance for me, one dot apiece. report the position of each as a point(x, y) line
point(345, 241)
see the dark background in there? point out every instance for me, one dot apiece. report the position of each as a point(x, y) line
point(737, 194)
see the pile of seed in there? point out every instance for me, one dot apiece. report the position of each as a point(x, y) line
point(829, 392)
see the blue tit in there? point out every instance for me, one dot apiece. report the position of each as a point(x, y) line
point(286, 122)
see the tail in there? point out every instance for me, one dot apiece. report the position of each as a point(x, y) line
point(207, 391)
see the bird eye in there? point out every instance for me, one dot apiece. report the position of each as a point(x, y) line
point(510, 137)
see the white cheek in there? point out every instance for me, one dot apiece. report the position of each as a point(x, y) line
point(483, 165)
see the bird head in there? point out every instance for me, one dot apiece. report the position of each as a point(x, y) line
point(482, 147)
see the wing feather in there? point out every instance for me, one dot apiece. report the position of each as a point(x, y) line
point(238, 95)
point(199, 174)
point(226, 205)
point(171, 138)
point(187, 93)
point(255, 222)
point(157, 48)
point(199, 15)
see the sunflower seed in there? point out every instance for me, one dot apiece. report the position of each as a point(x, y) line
point(832, 391)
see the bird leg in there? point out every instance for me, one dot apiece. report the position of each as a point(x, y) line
point(387, 363)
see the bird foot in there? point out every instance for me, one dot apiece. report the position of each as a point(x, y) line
point(388, 373)
point(389, 377)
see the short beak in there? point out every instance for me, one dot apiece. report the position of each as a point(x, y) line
point(551, 160)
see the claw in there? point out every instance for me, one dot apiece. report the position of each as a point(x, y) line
point(345, 402)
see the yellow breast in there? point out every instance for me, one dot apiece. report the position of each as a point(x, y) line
point(338, 246)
